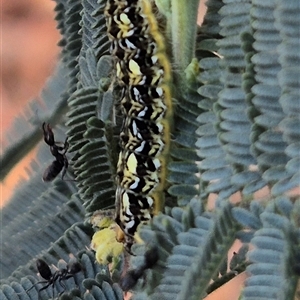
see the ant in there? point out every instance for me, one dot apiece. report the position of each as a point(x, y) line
point(132, 276)
point(71, 269)
point(61, 161)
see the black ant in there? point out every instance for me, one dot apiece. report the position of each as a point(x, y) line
point(71, 269)
point(61, 161)
point(132, 276)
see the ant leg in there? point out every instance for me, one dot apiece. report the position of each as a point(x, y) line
point(66, 146)
point(26, 291)
point(62, 284)
point(66, 165)
point(43, 288)
point(54, 278)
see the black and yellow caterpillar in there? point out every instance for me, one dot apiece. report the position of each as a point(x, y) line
point(144, 72)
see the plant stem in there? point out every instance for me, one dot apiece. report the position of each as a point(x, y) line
point(184, 27)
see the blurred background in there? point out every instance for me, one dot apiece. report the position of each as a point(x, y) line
point(28, 57)
point(29, 53)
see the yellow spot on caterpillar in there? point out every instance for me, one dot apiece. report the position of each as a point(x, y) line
point(131, 163)
point(134, 68)
point(124, 19)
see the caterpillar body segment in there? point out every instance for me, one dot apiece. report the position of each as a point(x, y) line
point(145, 140)
point(135, 209)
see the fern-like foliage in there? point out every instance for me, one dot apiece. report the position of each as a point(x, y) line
point(235, 89)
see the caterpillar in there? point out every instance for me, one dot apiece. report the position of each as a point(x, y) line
point(144, 72)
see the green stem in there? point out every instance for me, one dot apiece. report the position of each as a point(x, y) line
point(184, 27)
